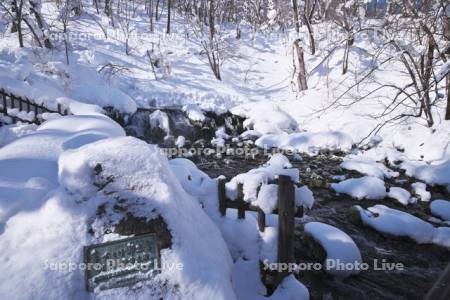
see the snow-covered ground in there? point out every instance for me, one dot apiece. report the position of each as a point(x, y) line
point(47, 196)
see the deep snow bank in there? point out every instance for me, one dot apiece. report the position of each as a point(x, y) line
point(49, 205)
point(143, 177)
point(29, 165)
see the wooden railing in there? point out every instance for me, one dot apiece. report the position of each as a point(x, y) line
point(286, 211)
point(9, 102)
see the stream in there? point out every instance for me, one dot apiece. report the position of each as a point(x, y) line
point(423, 264)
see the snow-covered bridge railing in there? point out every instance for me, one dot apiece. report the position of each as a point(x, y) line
point(24, 110)
point(286, 211)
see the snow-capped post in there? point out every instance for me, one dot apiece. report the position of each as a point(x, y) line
point(286, 221)
point(222, 197)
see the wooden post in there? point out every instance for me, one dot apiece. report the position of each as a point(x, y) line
point(240, 201)
point(5, 110)
point(261, 220)
point(222, 197)
point(20, 104)
point(286, 221)
point(28, 105)
point(59, 109)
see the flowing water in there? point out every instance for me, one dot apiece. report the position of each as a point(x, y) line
point(422, 263)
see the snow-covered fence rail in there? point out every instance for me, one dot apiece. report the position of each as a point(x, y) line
point(24, 110)
point(286, 211)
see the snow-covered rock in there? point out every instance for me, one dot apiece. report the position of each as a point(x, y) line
point(307, 142)
point(400, 194)
point(361, 188)
point(340, 249)
point(304, 197)
point(265, 119)
point(398, 223)
point(277, 165)
point(441, 209)
point(420, 189)
point(368, 167)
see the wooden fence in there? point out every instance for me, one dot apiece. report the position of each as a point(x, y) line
point(286, 211)
point(9, 101)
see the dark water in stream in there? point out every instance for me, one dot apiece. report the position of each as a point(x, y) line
point(423, 263)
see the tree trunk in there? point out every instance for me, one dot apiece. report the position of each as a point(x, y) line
point(301, 77)
point(296, 19)
point(447, 113)
point(156, 10)
point(348, 46)
point(40, 22)
point(108, 7)
point(428, 64)
point(151, 15)
point(447, 85)
point(312, 43)
point(18, 22)
point(169, 5)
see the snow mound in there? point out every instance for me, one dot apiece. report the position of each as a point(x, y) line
point(304, 197)
point(34, 156)
point(142, 175)
point(420, 189)
point(105, 96)
point(365, 187)
point(9, 133)
point(194, 181)
point(194, 113)
point(369, 168)
point(265, 119)
point(431, 174)
point(399, 223)
point(277, 165)
point(307, 142)
point(340, 248)
point(441, 209)
point(399, 194)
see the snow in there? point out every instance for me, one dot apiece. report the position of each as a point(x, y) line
point(420, 189)
point(267, 198)
point(431, 174)
point(194, 113)
point(400, 194)
point(180, 141)
point(368, 167)
point(366, 187)
point(147, 173)
point(304, 197)
point(265, 119)
point(399, 223)
point(160, 119)
point(307, 142)
point(143, 177)
point(441, 209)
point(277, 165)
point(339, 246)
point(9, 133)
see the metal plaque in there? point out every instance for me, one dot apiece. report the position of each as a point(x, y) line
point(121, 263)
